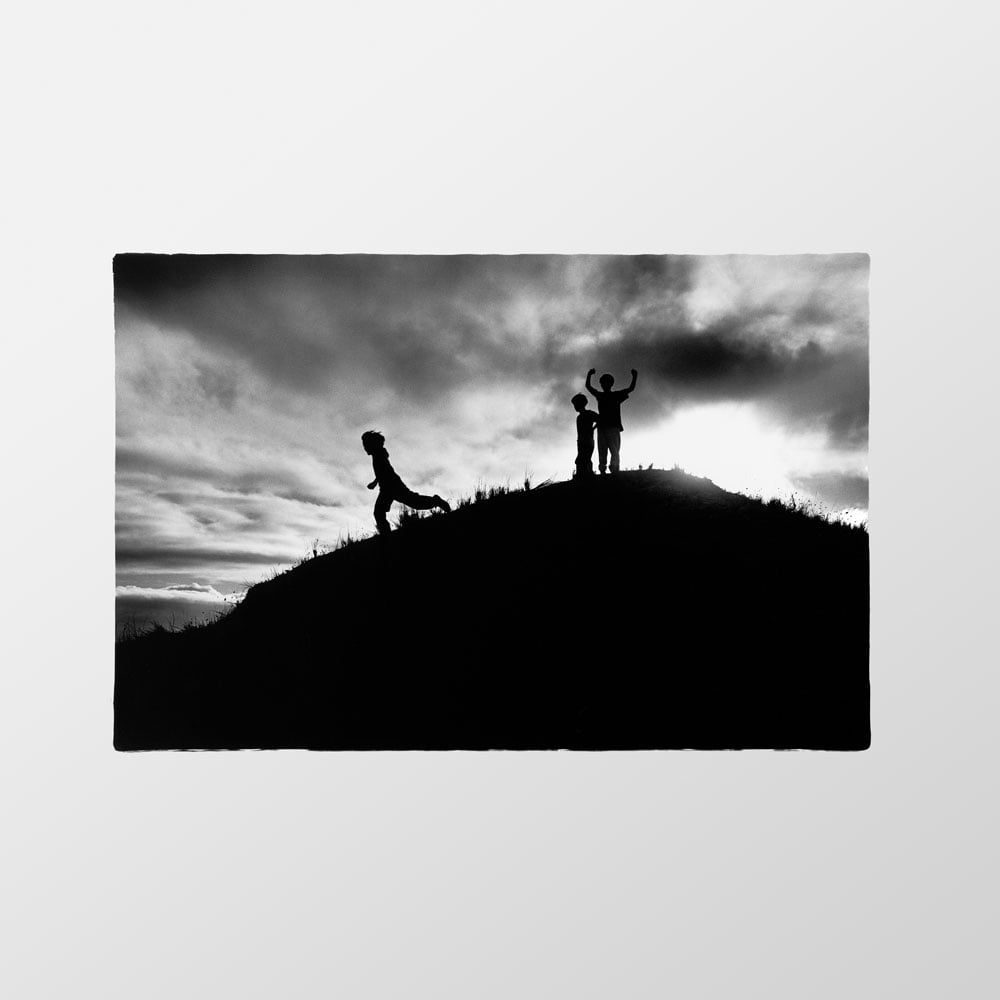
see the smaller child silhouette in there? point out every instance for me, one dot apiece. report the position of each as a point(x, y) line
point(391, 487)
point(586, 421)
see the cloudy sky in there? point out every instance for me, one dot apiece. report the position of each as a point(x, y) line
point(244, 383)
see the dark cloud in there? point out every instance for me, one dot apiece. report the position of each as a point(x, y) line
point(621, 282)
point(165, 556)
point(716, 363)
point(282, 480)
point(414, 323)
point(422, 326)
point(834, 397)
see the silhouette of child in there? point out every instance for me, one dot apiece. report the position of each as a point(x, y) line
point(609, 420)
point(586, 421)
point(391, 487)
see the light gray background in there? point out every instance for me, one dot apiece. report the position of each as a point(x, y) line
point(507, 127)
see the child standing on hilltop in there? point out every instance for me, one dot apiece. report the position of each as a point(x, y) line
point(391, 487)
point(609, 424)
point(586, 421)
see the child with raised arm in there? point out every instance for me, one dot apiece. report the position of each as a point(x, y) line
point(586, 421)
point(609, 419)
point(391, 487)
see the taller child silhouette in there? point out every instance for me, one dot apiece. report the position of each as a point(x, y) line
point(390, 486)
point(609, 417)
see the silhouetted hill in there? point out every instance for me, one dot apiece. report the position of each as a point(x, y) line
point(650, 609)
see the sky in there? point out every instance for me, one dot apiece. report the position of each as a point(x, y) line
point(243, 384)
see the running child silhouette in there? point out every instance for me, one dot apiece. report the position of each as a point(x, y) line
point(586, 421)
point(609, 417)
point(390, 486)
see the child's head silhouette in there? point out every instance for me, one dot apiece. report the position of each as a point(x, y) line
point(607, 381)
point(579, 401)
point(372, 441)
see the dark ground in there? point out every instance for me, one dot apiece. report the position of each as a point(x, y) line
point(647, 610)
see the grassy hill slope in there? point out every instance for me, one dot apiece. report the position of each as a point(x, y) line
point(650, 609)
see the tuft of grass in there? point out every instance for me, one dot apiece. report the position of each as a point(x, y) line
point(318, 548)
point(482, 493)
point(806, 508)
point(134, 629)
point(408, 517)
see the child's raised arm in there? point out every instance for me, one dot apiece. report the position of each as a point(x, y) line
point(590, 388)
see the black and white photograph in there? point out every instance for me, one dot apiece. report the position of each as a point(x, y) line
point(532, 574)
